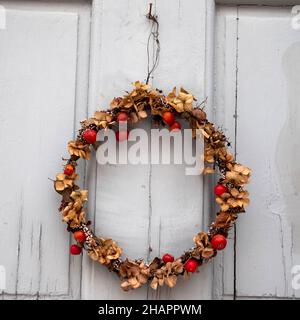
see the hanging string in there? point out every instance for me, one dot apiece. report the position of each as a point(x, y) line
point(154, 33)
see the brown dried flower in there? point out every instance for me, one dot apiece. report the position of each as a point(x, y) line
point(142, 86)
point(238, 174)
point(201, 239)
point(167, 274)
point(101, 119)
point(203, 248)
point(209, 154)
point(134, 273)
point(181, 102)
point(233, 199)
point(225, 155)
point(107, 251)
point(63, 182)
point(73, 213)
point(224, 219)
point(79, 149)
point(80, 195)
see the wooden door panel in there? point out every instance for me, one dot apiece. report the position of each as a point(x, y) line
point(38, 65)
point(40, 92)
point(152, 207)
point(254, 63)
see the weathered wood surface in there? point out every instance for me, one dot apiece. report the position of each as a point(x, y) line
point(148, 209)
point(62, 60)
point(43, 91)
point(257, 76)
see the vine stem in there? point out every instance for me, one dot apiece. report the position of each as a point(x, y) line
point(154, 34)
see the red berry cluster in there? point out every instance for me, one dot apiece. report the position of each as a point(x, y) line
point(169, 119)
point(218, 241)
point(80, 237)
point(90, 135)
point(191, 265)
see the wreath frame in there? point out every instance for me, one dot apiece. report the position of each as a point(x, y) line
point(230, 193)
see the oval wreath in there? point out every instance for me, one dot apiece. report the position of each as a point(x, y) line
point(230, 193)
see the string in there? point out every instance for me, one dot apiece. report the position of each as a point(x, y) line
point(154, 34)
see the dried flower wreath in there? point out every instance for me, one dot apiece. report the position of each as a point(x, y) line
point(229, 191)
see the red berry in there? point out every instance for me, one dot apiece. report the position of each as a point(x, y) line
point(69, 170)
point(90, 136)
point(218, 242)
point(75, 249)
point(191, 265)
point(220, 189)
point(176, 126)
point(168, 118)
point(167, 258)
point(122, 117)
point(122, 135)
point(79, 236)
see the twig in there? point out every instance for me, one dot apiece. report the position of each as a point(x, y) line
point(153, 34)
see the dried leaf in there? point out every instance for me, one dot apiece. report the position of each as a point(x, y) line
point(79, 149)
point(142, 114)
point(171, 281)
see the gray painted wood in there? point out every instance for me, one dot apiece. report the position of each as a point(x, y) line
point(40, 85)
point(38, 88)
point(128, 199)
point(256, 81)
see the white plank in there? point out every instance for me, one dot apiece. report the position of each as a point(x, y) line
point(82, 9)
point(38, 66)
point(265, 101)
point(177, 199)
point(273, 206)
point(129, 207)
point(120, 208)
point(225, 79)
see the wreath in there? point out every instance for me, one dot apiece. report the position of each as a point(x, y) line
point(229, 191)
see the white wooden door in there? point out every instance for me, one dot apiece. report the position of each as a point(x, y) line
point(257, 98)
point(62, 60)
